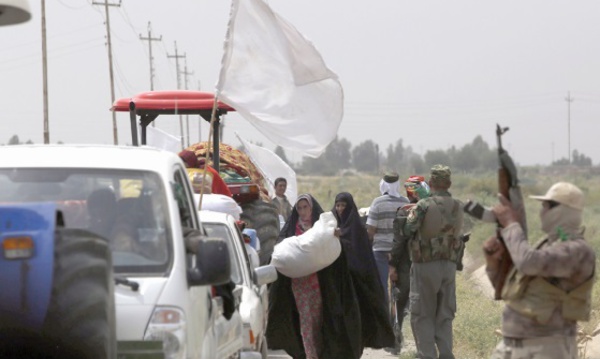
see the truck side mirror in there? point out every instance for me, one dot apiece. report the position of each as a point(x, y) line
point(212, 264)
point(265, 275)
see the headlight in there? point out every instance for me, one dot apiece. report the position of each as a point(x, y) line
point(167, 324)
point(249, 339)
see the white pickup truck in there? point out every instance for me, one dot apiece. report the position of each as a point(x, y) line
point(253, 281)
point(140, 199)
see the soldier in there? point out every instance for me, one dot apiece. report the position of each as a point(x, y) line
point(434, 226)
point(550, 285)
point(416, 189)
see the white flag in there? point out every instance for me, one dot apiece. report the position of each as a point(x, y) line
point(155, 137)
point(276, 79)
point(272, 166)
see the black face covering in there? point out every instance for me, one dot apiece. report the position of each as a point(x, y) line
point(354, 235)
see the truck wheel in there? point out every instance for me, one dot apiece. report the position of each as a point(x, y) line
point(263, 217)
point(81, 315)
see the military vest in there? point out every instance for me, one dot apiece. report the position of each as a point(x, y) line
point(438, 236)
point(537, 298)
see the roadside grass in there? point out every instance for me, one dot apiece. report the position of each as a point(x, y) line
point(478, 317)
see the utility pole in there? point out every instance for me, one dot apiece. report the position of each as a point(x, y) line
point(150, 58)
point(199, 119)
point(45, 75)
point(569, 99)
point(187, 120)
point(177, 57)
point(106, 4)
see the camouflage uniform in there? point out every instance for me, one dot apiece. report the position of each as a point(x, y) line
point(549, 288)
point(434, 226)
point(400, 259)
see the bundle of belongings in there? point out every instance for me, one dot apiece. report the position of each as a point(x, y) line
point(308, 253)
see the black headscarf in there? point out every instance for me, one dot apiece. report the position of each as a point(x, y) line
point(354, 236)
point(289, 229)
point(341, 313)
point(376, 328)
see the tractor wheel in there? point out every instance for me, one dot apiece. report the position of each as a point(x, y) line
point(263, 217)
point(81, 315)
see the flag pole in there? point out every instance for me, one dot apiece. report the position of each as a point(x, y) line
point(208, 144)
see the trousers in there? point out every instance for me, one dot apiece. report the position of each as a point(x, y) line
point(432, 307)
point(553, 347)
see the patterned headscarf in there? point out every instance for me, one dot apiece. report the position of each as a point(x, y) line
point(417, 187)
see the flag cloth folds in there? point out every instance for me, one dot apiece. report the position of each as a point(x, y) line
point(272, 166)
point(277, 80)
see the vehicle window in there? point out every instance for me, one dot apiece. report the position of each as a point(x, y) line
point(183, 202)
point(220, 230)
point(127, 207)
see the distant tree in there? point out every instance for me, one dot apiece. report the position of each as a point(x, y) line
point(561, 162)
point(466, 159)
point(418, 165)
point(279, 151)
point(336, 157)
point(437, 157)
point(365, 157)
point(338, 154)
point(395, 155)
point(14, 140)
point(29, 142)
point(579, 159)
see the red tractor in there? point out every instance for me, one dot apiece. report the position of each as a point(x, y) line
point(243, 179)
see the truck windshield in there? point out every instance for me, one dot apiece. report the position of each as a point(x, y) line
point(220, 230)
point(126, 207)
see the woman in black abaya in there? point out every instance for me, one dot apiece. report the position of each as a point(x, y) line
point(340, 332)
point(376, 328)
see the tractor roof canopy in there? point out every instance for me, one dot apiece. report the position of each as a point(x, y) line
point(170, 102)
point(149, 105)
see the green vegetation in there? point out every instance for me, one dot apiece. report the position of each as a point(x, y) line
point(366, 157)
point(478, 317)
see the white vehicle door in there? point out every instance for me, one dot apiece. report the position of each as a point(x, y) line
point(200, 322)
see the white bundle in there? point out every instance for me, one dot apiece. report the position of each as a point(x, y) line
point(309, 252)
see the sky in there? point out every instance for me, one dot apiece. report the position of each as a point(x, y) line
point(433, 73)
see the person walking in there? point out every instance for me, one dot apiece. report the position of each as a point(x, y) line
point(380, 224)
point(549, 288)
point(376, 329)
point(316, 316)
point(416, 189)
point(434, 226)
point(280, 200)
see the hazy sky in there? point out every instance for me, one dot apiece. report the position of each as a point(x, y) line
point(433, 73)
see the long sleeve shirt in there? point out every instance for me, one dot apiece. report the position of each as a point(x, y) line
point(567, 264)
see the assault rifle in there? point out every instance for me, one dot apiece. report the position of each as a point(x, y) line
point(508, 185)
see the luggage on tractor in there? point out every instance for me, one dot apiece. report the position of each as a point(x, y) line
point(243, 179)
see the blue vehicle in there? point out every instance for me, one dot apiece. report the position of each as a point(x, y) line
point(57, 286)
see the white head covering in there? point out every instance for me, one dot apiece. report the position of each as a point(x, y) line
point(390, 188)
